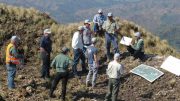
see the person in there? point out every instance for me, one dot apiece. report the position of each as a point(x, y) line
point(137, 49)
point(45, 50)
point(92, 63)
point(98, 22)
point(111, 28)
point(87, 33)
point(77, 46)
point(114, 72)
point(12, 59)
point(61, 62)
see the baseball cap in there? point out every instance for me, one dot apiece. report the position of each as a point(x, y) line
point(65, 49)
point(80, 28)
point(48, 31)
point(137, 34)
point(94, 40)
point(100, 11)
point(87, 21)
point(110, 14)
point(116, 55)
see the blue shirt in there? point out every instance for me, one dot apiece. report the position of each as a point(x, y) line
point(91, 51)
point(99, 19)
point(46, 43)
point(87, 35)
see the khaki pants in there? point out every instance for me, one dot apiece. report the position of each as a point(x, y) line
point(113, 89)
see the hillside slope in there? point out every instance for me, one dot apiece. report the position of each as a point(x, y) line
point(29, 24)
point(158, 16)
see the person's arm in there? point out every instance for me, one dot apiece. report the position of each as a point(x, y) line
point(96, 60)
point(95, 19)
point(42, 45)
point(104, 26)
point(14, 52)
point(122, 70)
point(53, 63)
point(139, 45)
point(75, 40)
point(117, 27)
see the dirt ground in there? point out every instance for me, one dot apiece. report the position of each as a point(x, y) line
point(132, 87)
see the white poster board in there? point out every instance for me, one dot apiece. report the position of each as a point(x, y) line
point(172, 65)
point(147, 72)
point(126, 41)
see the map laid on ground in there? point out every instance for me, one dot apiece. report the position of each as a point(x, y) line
point(172, 65)
point(147, 72)
point(126, 40)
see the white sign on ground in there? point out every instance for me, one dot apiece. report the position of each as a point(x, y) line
point(172, 65)
point(126, 40)
point(147, 72)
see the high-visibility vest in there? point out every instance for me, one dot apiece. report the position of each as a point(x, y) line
point(9, 57)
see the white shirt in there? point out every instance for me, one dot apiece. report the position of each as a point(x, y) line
point(77, 41)
point(115, 70)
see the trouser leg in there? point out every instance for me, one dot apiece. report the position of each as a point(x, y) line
point(55, 83)
point(115, 89)
point(109, 94)
point(64, 85)
point(138, 54)
point(83, 58)
point(11, 75)
point(114, 41)
point(95, 71)
point(76, 60)
point(45, 65)
point(89, 74)
point(130, 50)
point(108, 45)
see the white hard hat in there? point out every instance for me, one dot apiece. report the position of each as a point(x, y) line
point(110, 14)
point(80, 28)
point(137, 34)
point(13, 38)
point(48, 31)
point(100, 11)
point(87, 21)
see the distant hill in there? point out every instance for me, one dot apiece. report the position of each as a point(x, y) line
point(158, 16)
point(28, 24)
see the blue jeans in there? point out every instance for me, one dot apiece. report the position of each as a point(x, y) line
point(11, 69)
point(111, 38)
point(78, 54)
point(92, 70)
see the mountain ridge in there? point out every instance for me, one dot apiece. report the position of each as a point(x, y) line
point(28, 24)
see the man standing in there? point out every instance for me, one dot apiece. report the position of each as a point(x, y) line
point(98, 22)
point(77, 46)
point(45, 50)
point(87, 33)
point(114, 71)
point(92, 63)
point(61, 62)
point(111, 28)
point(12, 59)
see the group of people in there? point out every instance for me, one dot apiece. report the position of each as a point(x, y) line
point(84, 48)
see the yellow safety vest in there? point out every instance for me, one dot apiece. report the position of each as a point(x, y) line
point(9, 57)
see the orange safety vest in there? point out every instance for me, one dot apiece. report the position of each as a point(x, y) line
point(9, 57)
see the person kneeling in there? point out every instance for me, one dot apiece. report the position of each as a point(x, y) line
point(61, 62)
point(137, 49)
